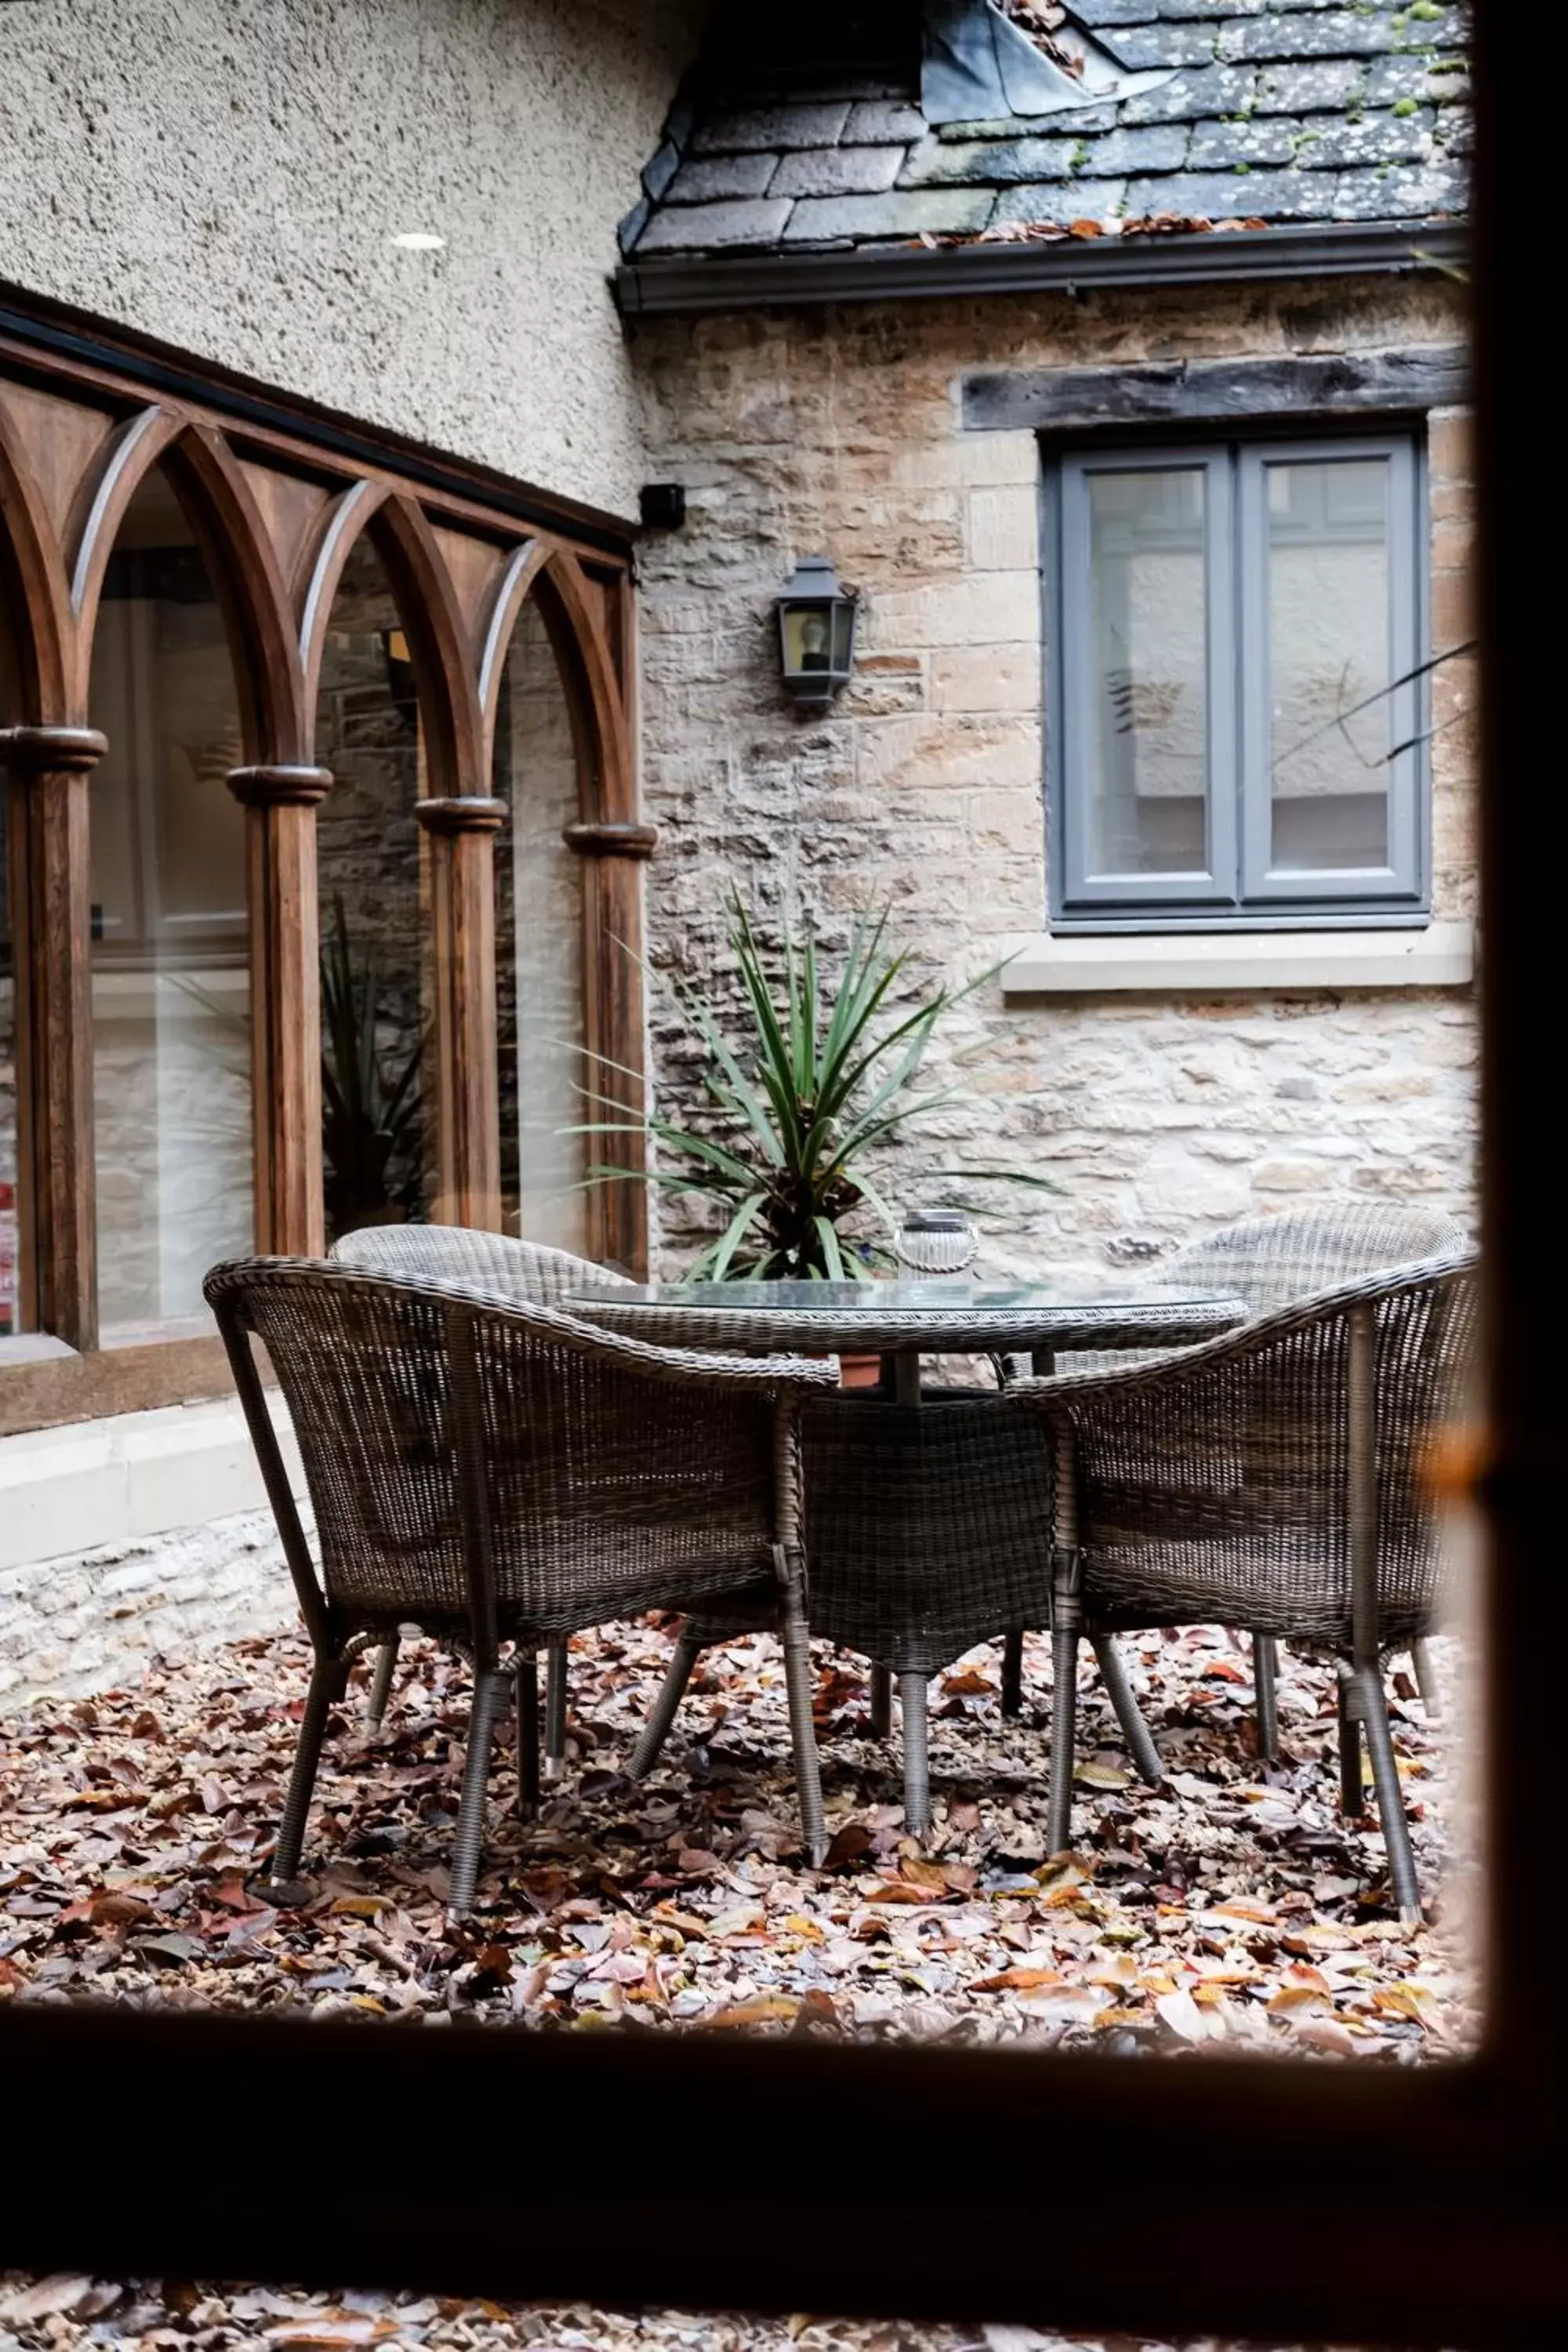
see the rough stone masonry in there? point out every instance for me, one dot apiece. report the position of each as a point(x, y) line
point(840, 430)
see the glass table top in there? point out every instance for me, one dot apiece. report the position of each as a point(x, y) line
point(938, 1295)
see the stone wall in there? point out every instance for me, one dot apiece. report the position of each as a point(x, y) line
point(229, 174)
point(840, 432)
point(92, 1622)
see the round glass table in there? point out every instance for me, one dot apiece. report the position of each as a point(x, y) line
point(904, 1321)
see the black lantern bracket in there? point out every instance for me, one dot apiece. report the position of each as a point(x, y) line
point(817, 632)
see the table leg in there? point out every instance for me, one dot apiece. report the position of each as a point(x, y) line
point(881, 1702)
point(1013, 1674)
point(1042, 1363)
point(901, 1376)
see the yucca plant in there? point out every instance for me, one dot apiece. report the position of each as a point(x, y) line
point(372, 1112)
point(824, 1078)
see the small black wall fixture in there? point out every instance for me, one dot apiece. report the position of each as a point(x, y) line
point(817, 632)
point(662, 506)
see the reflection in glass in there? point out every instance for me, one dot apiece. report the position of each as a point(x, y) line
point(539, 951)
point(10, 1268)
point(1331, 663)
point(1148, 730)
point(171, 989)
point(378, 1073)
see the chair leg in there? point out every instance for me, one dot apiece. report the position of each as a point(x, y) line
point(1427, 1681)
point(1063, 1710)
point(795, 1635)
point(1265, 1679)
point(917, 1754)
point(1013, 1674)
point(1352, 1794)
point(1129, 1715)
point(656, 1730)
point(282, 1884)
point(555, 1711)
point(490, 1697)
point(381, 1682)
point(1390, 1799)
point(525, 1675)
point(881, 1702)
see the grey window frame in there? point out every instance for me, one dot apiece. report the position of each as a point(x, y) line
point(1242, 894)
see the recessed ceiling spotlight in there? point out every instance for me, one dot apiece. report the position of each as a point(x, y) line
point(418, 240)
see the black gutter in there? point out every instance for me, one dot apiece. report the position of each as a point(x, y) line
point(775, 279)
point(164, 372)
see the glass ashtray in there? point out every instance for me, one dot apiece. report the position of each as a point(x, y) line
point(937, 1241)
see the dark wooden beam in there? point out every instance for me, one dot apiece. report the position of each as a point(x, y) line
point(462, 831)
point(1309, 386)
point(53, 960)
point(280, 805)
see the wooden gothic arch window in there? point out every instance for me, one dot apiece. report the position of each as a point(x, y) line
point(267, 688)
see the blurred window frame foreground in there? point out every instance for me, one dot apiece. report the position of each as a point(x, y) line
point(1279, 2202)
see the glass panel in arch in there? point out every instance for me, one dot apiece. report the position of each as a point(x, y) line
point(10, 1268)
point(539, 950)
point(378, 1076)
point(170, 986)
point(10, 1272)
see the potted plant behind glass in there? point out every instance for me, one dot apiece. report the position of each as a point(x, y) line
point(372, 1117)
point(822, 1078)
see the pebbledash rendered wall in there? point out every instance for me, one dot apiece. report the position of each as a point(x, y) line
point(1159, 1114)
point(228, 175)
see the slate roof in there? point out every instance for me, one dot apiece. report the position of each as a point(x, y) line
point(1272, 111)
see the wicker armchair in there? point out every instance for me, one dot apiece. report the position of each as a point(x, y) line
point(529, 1271)
point(1270, 1478)
point(1272, 1261)
point(498, 1473)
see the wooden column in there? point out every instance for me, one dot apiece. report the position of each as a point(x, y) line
point(613, 1023)
point(468, 1094)
point(280, 805)
point(53, 950)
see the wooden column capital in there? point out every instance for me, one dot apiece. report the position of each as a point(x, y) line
point(55, 750)
point(464, 812)
point(619, 839)
point(279, 787)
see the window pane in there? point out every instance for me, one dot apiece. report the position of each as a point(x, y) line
point(1148, 733)
point(171, 990)
point(10, 1268)
point(539, 948)
point(378, 1077)
point(1329, 663)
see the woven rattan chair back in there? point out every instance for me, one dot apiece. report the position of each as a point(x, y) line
point(493, 1261)
point(494, 1470)
point(1274, 1260)
point(431, 1419)
point(1214, 1487)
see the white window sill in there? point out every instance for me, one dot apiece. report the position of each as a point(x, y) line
point(1442, 956)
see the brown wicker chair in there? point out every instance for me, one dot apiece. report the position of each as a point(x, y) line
point(497, 1473)
point(1270, 1478)
point(529, 1271)
point(1270, 1262)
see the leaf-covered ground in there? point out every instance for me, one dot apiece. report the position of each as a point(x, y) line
point(1232, 1906)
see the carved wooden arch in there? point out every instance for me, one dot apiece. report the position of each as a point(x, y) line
point(429, 615)
point(241, 564)
point(609, 840)
point(34, 665)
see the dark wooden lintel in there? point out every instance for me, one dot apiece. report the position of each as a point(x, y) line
point(1311, 385)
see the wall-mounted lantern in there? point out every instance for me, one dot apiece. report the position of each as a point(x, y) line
point(817, 632)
